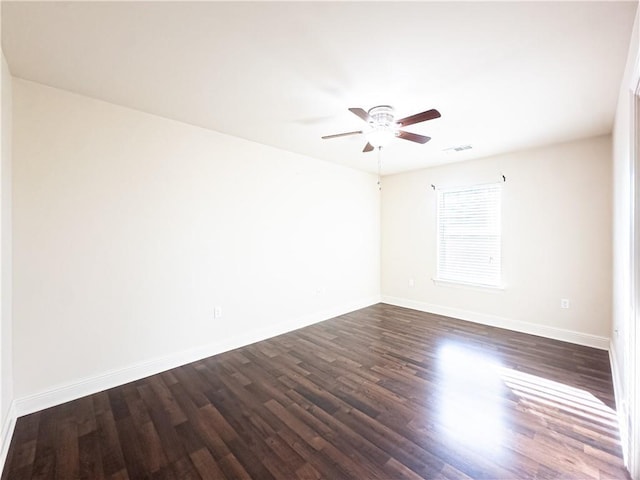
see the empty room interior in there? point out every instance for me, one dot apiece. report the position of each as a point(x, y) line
point(320, 240)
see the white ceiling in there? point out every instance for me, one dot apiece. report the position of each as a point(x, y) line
point(505, 76)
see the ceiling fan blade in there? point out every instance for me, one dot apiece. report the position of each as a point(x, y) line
point(419, 117)
point(368, 147)
point(413, 137)
point(346, 134)
point(361, 113)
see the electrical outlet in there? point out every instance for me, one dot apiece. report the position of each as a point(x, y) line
point(411, 283)
point(564, 303)
point(217, 312)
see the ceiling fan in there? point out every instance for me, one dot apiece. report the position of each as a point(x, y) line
point(383, 126)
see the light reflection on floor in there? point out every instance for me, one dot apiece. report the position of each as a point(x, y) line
point(540, 391)
point(472, 409)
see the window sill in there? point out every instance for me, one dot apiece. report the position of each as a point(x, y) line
point(471, 286)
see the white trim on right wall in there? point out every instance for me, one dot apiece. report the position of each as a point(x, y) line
point(625, 358)
point(633, 341)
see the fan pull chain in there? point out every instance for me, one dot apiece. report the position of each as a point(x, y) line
point(379, 168)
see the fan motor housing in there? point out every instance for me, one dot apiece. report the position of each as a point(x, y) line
point(382, 115)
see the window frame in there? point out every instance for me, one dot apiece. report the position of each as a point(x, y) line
point(438, 279)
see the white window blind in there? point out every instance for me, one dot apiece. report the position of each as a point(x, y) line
point(469, 235)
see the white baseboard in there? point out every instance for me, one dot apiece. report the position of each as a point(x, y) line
point(621, 404)
point(570, 336)
point(105, 380)
point(6, 433)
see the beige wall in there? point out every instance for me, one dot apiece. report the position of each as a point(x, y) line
point(6, 351)
point(129, 229)
point(556, 220)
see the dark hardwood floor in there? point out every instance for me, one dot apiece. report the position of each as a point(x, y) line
point(380, 393)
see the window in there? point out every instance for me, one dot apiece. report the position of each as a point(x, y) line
point(469, 235)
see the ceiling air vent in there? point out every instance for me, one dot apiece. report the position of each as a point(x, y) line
point(459, 148)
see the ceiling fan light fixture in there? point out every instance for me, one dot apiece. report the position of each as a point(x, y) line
point(383, 127)
point(380, 136)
